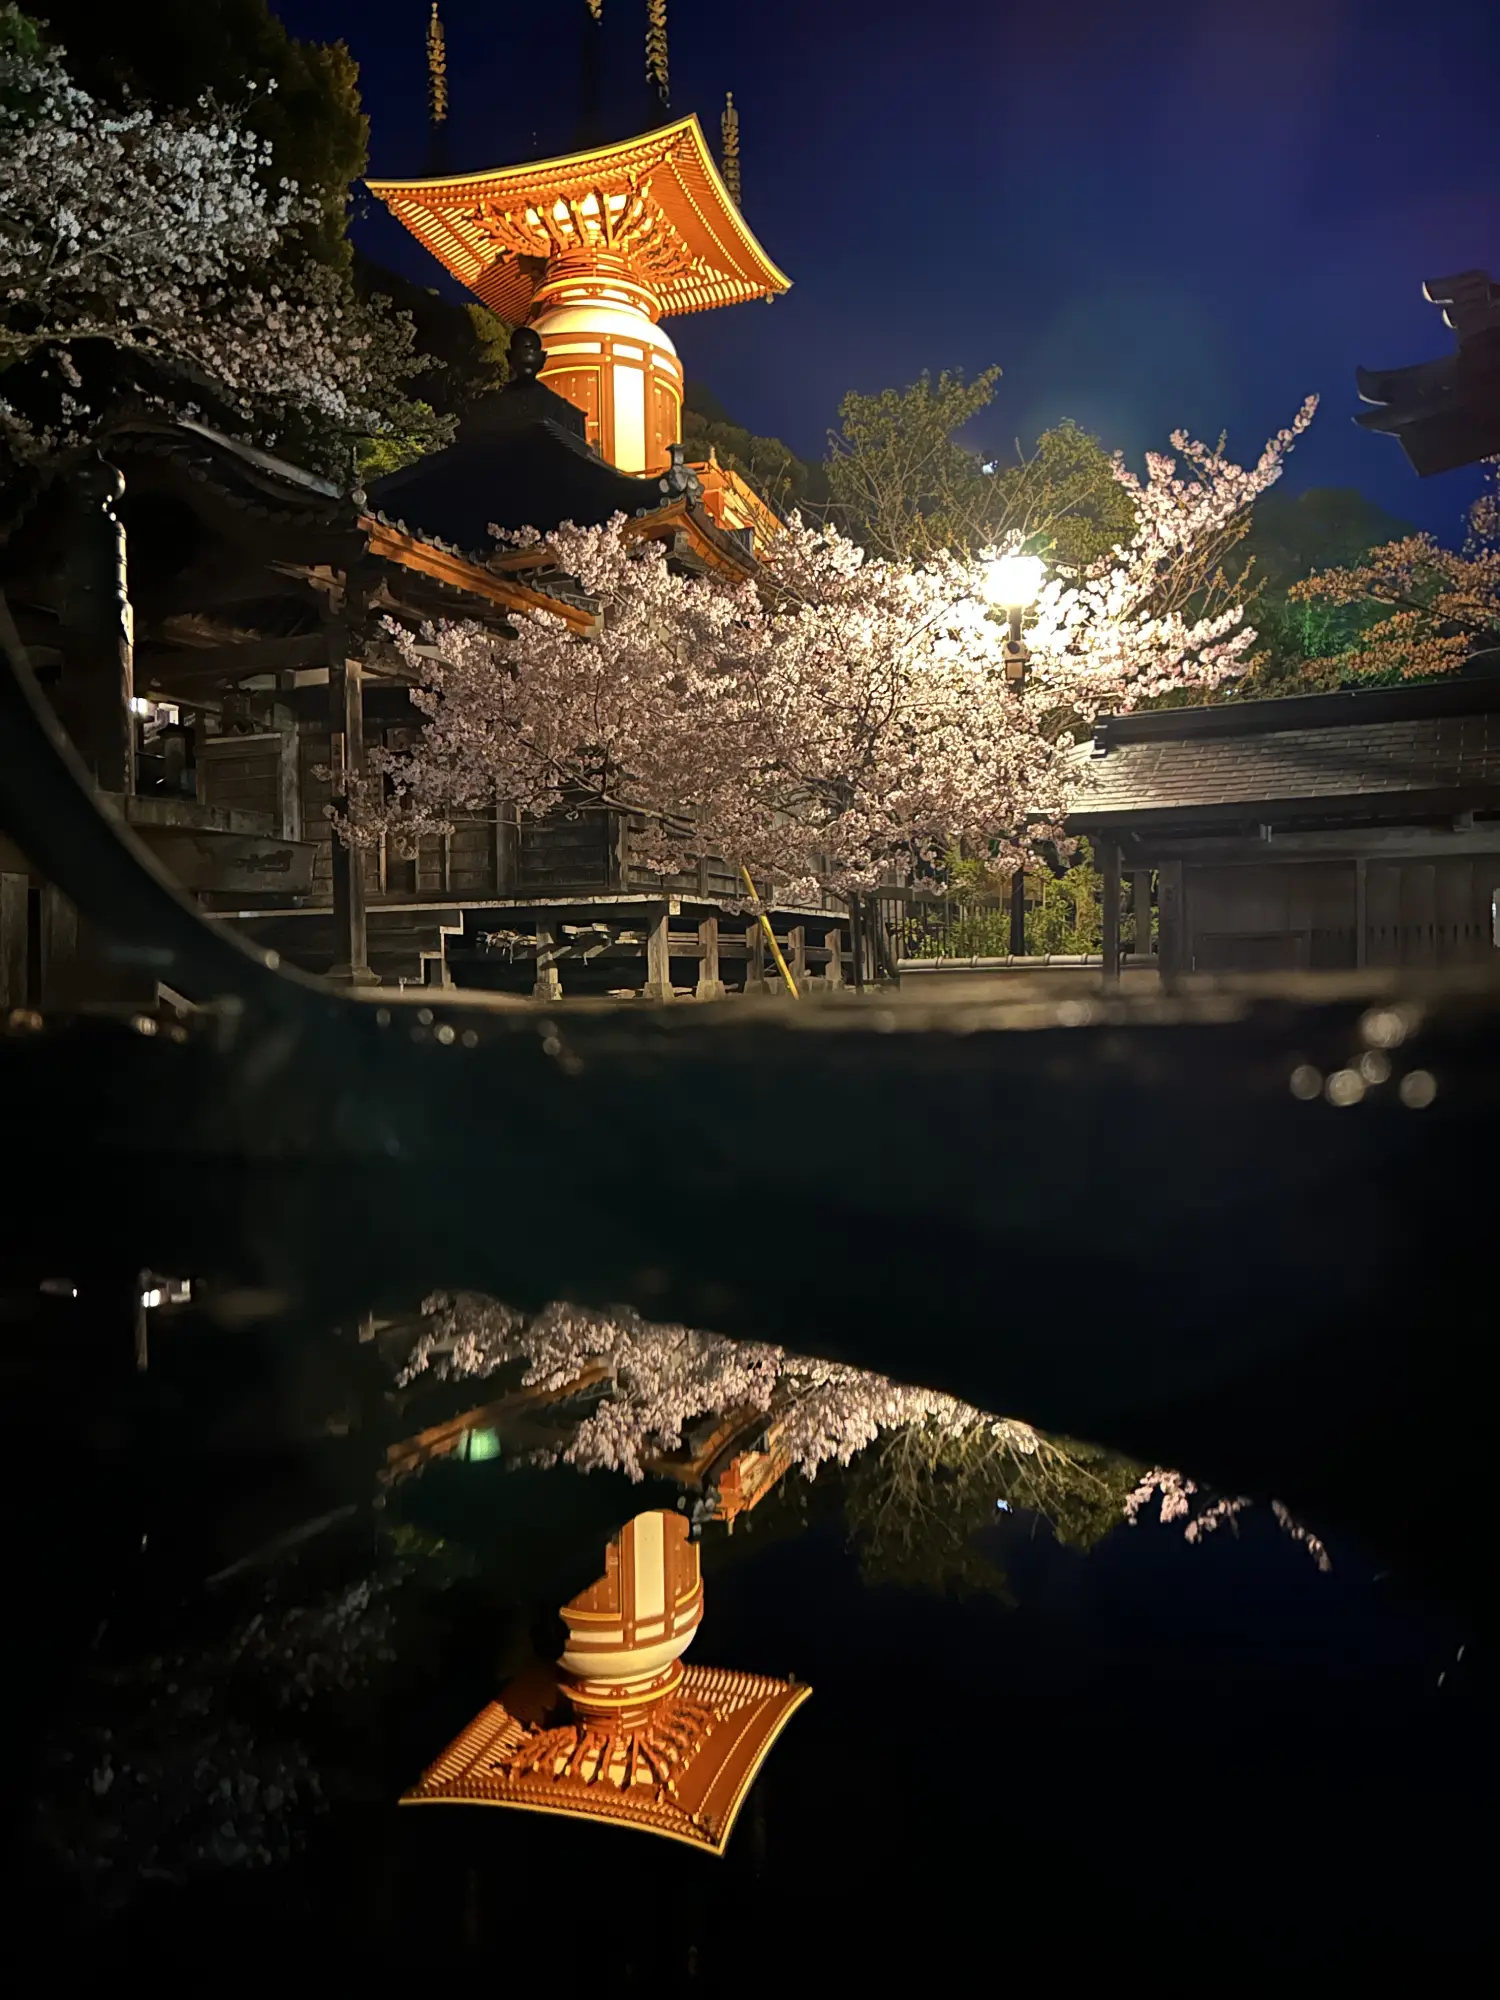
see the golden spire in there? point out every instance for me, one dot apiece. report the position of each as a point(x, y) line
point(729, 148)
point(437, 70)
point(596, 8)
point(656, 48)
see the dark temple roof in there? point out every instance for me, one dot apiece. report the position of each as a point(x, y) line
point(521, 461)
point(1377, 753)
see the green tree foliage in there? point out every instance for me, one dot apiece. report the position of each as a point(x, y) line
point(901, 482)
point(1063, 915)
point(786, 482)
point(917, 1503)
point(1302, 644)
point(465, 347)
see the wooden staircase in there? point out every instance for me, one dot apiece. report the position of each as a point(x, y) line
point(407, 942)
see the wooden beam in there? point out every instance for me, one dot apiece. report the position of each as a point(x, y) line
point(408, 551)
point(1393, 843)
point(233, 660)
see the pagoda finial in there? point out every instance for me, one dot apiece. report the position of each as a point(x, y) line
point(729, 148)
point(656, 48)
point(596, 8)
point(437, 70)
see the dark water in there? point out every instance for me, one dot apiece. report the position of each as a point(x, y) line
point(1020, 1753)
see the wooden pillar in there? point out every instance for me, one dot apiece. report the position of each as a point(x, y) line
point(1107, 853)
point(833, 972)
point(98, 672)
point(658, 957)
point(1172, 945)
point(15, 952)
point(346, 729)
point(289, 776)
point(142, 1324)
point(857, 942)
point(1018, 914)
point(796, 957)
point(755, 959)
point(507, 849)
point(56, 974)
point(1140, 904)
point(710, 984)
point(1361, 915)
point(548, 983)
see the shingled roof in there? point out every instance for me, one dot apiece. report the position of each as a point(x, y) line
point(1381, 752)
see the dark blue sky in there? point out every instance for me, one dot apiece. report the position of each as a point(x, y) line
point(1168, 212)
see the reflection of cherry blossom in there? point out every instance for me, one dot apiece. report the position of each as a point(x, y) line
point(666, 1377)
point(1177, 1495)
point(840, 717)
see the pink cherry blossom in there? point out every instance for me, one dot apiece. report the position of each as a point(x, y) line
point(839, 720)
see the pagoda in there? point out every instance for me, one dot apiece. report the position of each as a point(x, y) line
point(620, 1730)
point(593, 250)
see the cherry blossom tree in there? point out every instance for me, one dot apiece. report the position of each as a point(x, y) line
point(843, 717)
point(1438, 605)
point(163, 239)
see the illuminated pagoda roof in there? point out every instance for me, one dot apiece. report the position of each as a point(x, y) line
point(657, 202)
point(726, 1723)
point(620, 1730)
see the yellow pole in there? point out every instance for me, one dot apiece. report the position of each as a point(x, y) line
point(765, 924)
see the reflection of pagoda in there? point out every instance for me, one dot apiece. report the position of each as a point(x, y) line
point(621, 1730)
point(593, 250)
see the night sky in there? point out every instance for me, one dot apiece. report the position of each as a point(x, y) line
point(1153, 214)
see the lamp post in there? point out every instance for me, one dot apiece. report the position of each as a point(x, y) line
point(1012, 583)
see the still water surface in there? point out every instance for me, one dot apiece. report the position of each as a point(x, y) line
point(249, 1620)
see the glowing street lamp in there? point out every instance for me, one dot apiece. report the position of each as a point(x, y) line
point(1012, 583)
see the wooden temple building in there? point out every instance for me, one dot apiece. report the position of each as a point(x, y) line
point(621, 1731)
point(1325, 831)
point(208, 622)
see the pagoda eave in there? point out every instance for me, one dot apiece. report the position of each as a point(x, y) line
point(465, 219)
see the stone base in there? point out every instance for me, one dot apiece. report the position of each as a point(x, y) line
point(710, 989)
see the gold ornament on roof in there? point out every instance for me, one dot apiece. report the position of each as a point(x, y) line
point(729, 148)
point(656, 48)
point(437, 69)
